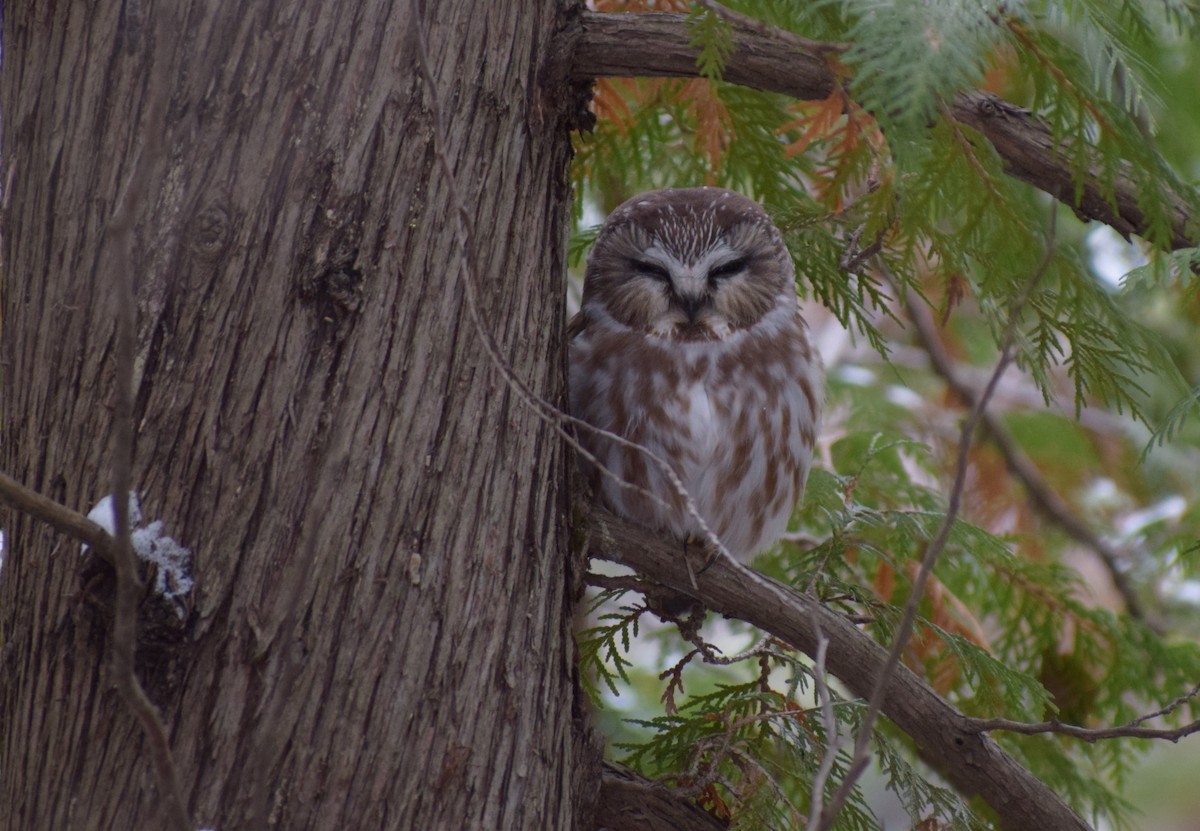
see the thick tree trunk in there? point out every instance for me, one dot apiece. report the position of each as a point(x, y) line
point(316, 417)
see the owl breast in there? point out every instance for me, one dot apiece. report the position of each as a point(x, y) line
point(733, 418)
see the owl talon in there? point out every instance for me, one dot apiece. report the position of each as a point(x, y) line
point(710, 559)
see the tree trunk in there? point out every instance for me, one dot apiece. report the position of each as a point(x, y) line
point(379, 634)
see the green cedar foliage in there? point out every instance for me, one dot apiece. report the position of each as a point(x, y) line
point(880, 196)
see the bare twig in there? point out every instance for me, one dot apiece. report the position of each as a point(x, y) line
point(1170, 708)
point(752, 767)
point(119, 272)
point(834, 741)
point(708, 753)
point(1086, 734)
point(1132, 730)
point(853, 258)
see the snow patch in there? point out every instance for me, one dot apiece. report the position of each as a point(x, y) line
point(1186, 591)
point(104, 514)
point(1170, 508)
point(1112, 256)
point(171, 560)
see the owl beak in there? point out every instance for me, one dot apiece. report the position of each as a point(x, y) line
point(692, 304)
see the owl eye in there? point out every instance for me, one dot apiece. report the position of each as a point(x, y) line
point(729, 269)
point(652, 270)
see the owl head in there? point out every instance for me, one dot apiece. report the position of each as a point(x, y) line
point(688, 264)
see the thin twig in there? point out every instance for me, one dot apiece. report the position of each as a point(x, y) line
point(547, 412)
point(708, 753)
point(751, 766)
point(1170, 708)
point(706, 766)
point(936, 545)
point(834, 741)
point(118, 244)
point(619, 582)
point(1131, 730)
point(853, 258)
point(1084, 733)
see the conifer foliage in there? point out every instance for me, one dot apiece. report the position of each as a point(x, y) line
point(1066, 588)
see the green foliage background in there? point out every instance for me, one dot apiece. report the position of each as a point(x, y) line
point(883, 199)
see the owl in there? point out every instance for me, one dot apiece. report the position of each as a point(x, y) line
point(690, 343)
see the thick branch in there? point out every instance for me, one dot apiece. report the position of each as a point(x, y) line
point(606, 44)
point(638, 45)
point(947, 740)
point(1028, 149)
point(631, 802)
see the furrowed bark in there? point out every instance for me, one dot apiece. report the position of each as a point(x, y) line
point(307, 379)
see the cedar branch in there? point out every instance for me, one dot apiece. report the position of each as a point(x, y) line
point(631, 802)
point(946, 739)
point(659, 45)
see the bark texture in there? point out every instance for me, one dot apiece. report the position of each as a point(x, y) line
point(379, 636)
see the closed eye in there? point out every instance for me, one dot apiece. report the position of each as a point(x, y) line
point(652, 270)
point(729, 269)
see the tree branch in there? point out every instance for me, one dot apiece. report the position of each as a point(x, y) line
point(1132, 730)
point(947, 740)
point(631, 802)
point(659, 45)
point(765, 58)
point(747, 23)
point(57, 516)
point(1086, 734)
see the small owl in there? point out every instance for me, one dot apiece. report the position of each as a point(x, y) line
point(690, 343)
